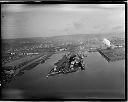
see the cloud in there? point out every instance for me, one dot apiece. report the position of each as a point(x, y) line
point(117, 6)
point(64, 7)
point(78, 25)
point(82, 7)
point(118, 27)
point(13, 7)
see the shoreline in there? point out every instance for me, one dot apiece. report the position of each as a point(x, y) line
point(9, 74)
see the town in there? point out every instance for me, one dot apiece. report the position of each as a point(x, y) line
point(26, 53)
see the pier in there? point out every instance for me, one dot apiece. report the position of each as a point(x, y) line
point(112, 54)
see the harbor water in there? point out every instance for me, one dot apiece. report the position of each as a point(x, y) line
point(101, 79)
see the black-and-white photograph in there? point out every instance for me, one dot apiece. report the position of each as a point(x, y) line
point(63, 51)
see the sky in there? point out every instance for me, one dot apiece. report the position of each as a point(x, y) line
point(21, 20)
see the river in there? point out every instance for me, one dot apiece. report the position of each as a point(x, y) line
point(101, 79)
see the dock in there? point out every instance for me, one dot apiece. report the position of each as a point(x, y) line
point(112, 54)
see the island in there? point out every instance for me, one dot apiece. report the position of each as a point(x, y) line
point(69, 63)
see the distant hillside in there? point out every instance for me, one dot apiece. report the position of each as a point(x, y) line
point(90, 39)
point(64, 38)
point(83, 37)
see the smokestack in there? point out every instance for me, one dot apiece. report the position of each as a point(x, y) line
point(107, 42)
